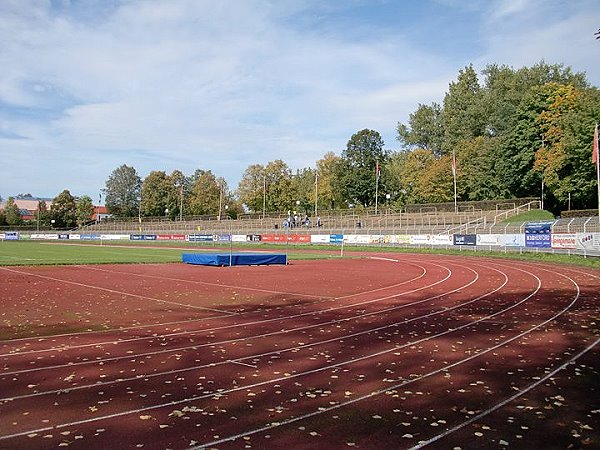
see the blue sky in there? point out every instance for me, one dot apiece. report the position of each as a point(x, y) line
point(88, 85)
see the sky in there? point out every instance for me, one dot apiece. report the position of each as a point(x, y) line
point(89, 85)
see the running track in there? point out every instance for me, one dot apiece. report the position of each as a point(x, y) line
point(399, 351)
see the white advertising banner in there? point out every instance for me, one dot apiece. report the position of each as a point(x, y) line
point(238, 238)
point(320, 238)
point(490, 239)
point(442, 239)
point(400, 239)
point(420, 239)
point(376, 239)
point(44, 236)
point(564, 240)
point(513, 240)
point(357, 238)
point(588, 241)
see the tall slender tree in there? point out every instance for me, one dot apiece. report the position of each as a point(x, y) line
point(122, 193)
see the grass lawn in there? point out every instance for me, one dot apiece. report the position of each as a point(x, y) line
point(19, 253)
point(530, 216)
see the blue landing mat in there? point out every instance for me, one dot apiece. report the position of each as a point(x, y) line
point(234, 259)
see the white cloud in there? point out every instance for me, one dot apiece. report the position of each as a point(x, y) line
point(221, 85)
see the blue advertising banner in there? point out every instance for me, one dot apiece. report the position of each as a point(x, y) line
point(538, 240)
point(336, 238)
point(465, 239)
point(538, 227)
point(224, 237)
point(89, 237)
point(200, 238)
point(538, 234)
point(11, 236)
point(63, 236)
point(142, 237)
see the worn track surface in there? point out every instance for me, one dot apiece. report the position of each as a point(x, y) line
point(389, 351)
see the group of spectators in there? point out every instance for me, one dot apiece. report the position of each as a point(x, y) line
point(296, 221)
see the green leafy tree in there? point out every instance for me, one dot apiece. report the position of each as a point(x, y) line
point(577, 174)
point(271, 185)
point(411, 170)
point(303, 187)
point(12, 216)
point(463, 116)
point(85, 209)
point(43, 215)
point(122, 191)
point(208, 194)
point(64, 210)
point(357, 171)
point(2, 218)
point(156, 193)
point(280, 195)
point(251, 187)
point(477, 171)
point(424, 129)
point(327, 169)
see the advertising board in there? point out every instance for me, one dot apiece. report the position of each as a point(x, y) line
point(465, 239)
point(336, 238)
point(513, 240)
point(320, 238)
point(588, 241)
point(441, 239)
point(142, 237)
point(357, 239)
point(489, 239)
point(568, 241)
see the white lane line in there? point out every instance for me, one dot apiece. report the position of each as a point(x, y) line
point(311, 313)
point(276, 380)
point(256, 355)
point(152, 326)
point(113, 291)
point(257, 322)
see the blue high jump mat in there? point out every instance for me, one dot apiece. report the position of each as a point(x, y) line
point(234, 259)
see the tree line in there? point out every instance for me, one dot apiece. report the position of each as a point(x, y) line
point(508, 134)
point(66, 211)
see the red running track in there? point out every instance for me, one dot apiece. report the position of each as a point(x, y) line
point(400, 351)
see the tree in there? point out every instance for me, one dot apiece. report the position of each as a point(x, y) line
point(577, 174)
point(12, 216)
point(280, 195)
point(64, 210)
point(271, 185)
point(251, 187)
point(208, 194)
point(85, 209)
point(156, 194)
point(425, 129)
point(327, 169)
point(303, 188)
point(463, 115)
point(122, 191)
point(357, 171)
point(406, 172)
point(43, 215)
point(477, 171)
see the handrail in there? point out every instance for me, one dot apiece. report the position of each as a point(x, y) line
point(516, 210)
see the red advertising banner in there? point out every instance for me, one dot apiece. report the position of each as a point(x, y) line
point(283, 237)
point(170, 237)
